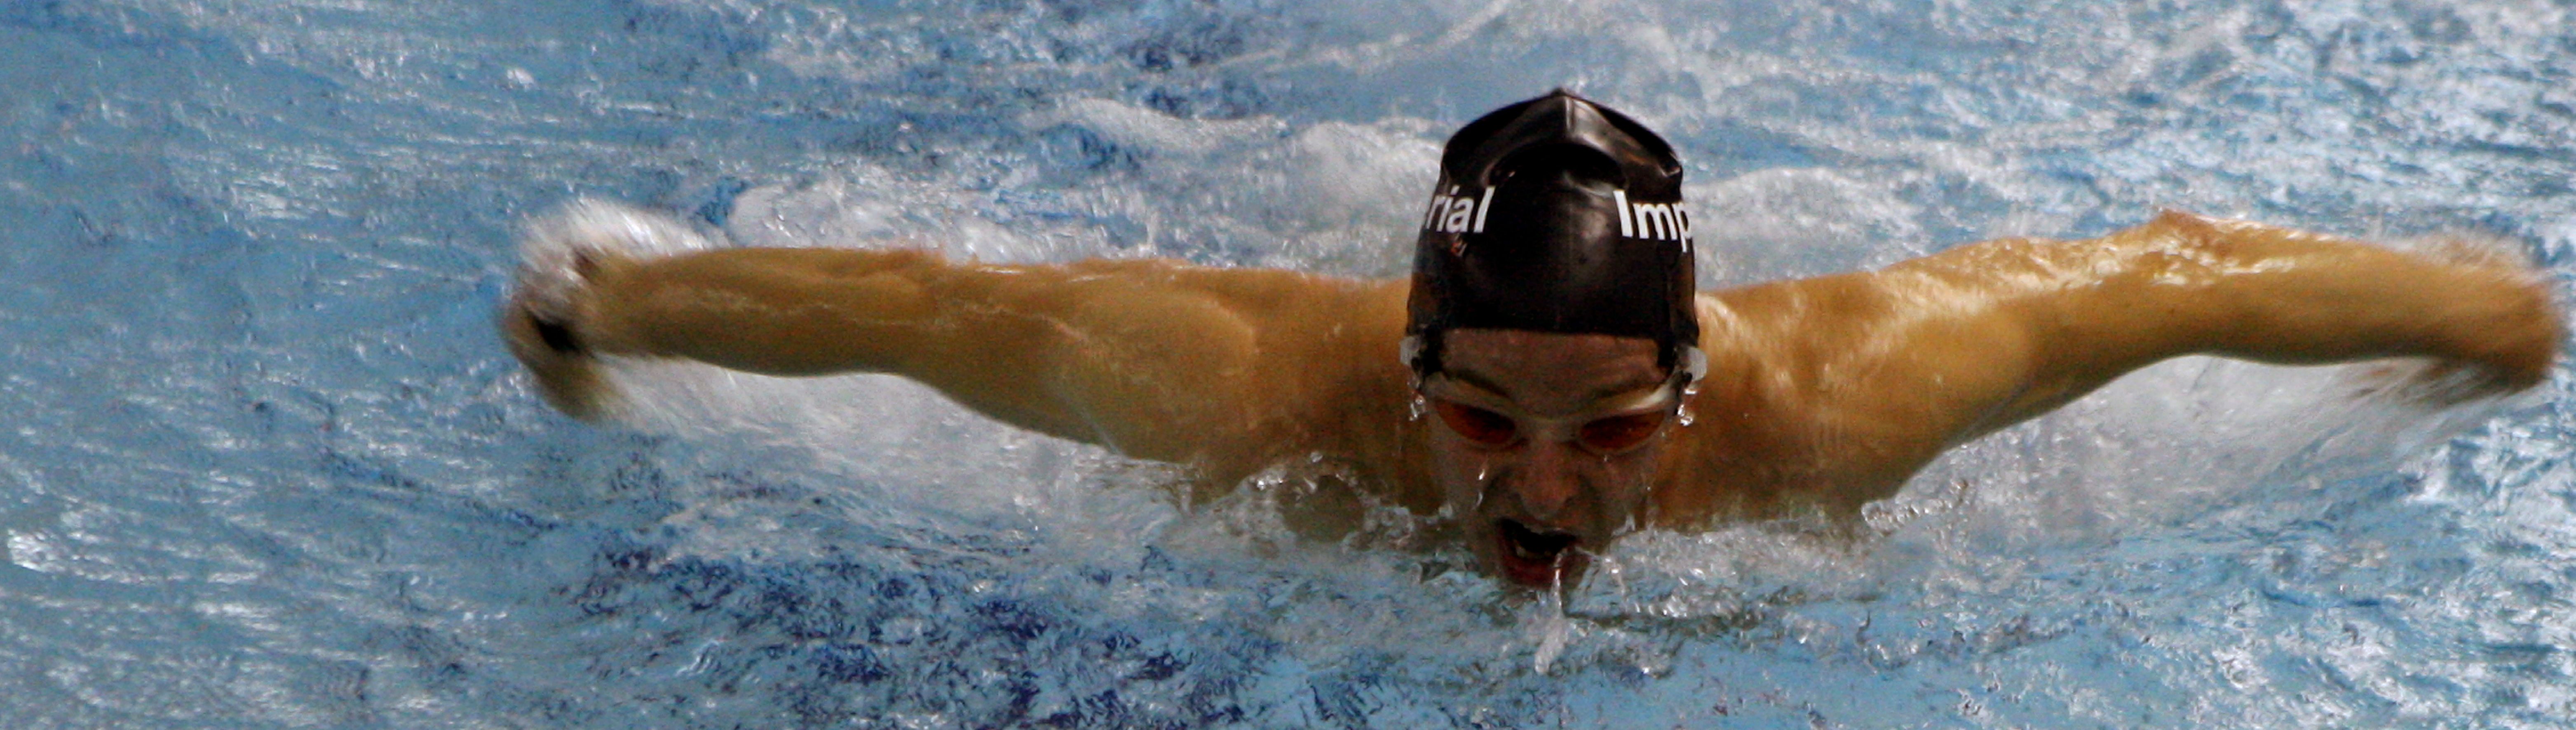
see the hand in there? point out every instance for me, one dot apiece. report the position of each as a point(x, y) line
point(2508, 333)
point(562, 256)
point(2503, 336)
point(568, 376)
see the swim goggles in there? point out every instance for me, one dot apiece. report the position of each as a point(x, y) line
point(1492, 422)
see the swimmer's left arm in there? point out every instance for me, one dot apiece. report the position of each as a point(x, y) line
point(2064, 317)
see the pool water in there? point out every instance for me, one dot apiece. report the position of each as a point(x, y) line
point(269, 466)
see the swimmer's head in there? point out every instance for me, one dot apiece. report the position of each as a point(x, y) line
point(1555, 215)
point(1552, 330)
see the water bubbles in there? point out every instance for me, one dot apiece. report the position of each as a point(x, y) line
point(1547, 619)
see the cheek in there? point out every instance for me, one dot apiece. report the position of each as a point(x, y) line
point(1459, 471)
point(1623, 482)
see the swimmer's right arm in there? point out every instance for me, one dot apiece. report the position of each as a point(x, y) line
point(1154, 359)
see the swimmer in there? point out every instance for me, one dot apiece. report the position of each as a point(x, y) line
point(1548, 376)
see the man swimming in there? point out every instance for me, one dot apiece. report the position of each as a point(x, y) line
point(1548, 376)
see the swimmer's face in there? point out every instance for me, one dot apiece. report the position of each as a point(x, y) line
point(1544, 444)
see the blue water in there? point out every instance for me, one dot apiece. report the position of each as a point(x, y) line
point(266, 464)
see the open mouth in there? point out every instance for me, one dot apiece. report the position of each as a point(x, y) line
point(1533, 558)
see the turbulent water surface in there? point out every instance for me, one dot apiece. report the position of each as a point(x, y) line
point(267, 464)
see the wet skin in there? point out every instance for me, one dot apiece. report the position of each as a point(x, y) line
point(1543, 502)
point(1822, 394)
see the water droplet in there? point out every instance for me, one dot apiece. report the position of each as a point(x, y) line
point(1553, 628)
point(1687, 416)
point(1419, 406)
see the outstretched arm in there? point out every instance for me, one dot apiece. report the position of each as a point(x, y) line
point(1939, 350)
point(2183, 284)
point(1155, 359)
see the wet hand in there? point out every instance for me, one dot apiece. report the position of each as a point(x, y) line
point(545, 340)
point(2501, 334)
point(2506, 333)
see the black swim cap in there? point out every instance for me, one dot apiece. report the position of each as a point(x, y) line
point(1555, 215)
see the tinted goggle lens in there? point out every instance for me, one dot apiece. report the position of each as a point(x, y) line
point(1609, 434)
point(1477, 424)
point(1620, 433)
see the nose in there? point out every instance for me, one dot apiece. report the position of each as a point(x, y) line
point(1549, 484)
